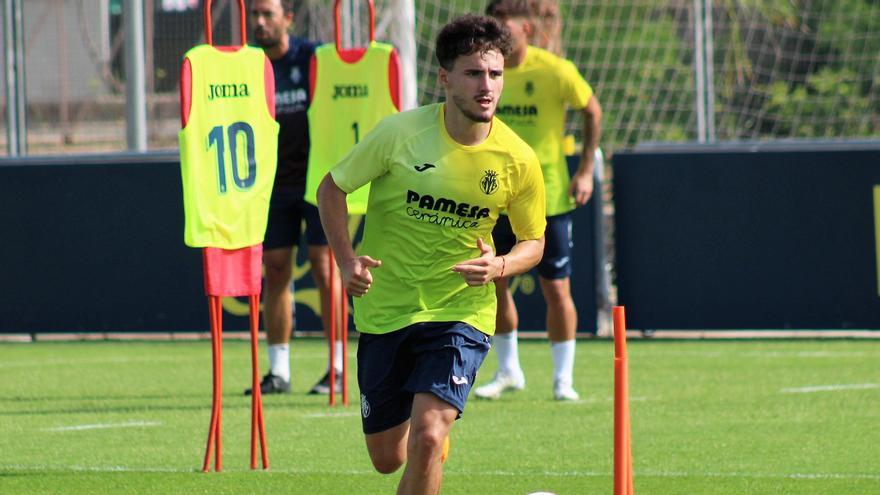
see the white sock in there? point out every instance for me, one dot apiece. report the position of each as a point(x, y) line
point(279, 360)
point(508, 353)
point(563, 361)
point(337, 356)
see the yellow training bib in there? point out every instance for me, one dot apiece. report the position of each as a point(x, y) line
point(228, 149)
point(349, 100)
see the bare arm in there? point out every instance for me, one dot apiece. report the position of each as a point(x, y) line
point(488, 267)
point(355, 270)
point(582, 182)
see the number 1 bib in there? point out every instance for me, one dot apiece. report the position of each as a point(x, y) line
point(349, 100)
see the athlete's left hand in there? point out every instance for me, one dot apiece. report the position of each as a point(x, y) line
point(482, 270)
point(581, 187)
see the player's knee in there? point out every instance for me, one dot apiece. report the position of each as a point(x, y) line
point(277, 275)
point(320, 272)
point(556, 292)
point(319, 257)
point(428, 439)
point(387, 462)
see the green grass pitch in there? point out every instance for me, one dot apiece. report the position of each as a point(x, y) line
point(708, 417)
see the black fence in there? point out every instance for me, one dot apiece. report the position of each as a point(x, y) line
point(95, 244)
point(749, 237)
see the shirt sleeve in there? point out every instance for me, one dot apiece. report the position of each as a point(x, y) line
point(575, 89)
point(365, 161)
point(527, 206)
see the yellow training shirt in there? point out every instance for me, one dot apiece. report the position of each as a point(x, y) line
point(228, 149)
point(536, 95)
point(431, 199)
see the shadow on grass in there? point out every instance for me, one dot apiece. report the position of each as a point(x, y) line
point(11, 474)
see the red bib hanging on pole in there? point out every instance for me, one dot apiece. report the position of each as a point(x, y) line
point(233, 272)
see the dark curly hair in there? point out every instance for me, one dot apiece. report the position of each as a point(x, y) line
point(470, 34)
point(505, 9)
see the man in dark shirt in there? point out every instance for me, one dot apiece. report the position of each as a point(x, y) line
point(290, 56)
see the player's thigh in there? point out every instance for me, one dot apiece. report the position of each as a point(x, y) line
point(384, 366)
point(284, 220)
point(387, 448)
point(314, 230)
point(279, 267)
point(558, 244)
point(447, 357)
point(319, 257)
point(432, 416)
point(502, 289)
point(556, 291)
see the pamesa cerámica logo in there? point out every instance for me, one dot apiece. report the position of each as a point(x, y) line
point(446, 205)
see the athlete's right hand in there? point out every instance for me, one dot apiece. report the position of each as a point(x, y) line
point(356, 274)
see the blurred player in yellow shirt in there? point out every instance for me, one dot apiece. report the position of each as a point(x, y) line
point(539, 87)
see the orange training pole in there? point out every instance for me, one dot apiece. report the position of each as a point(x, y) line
point(214, 369)
point(218, 316)
point(622, 434)
point(258, 425)
point(344, 331)
point(214, 430)
point(331, 340)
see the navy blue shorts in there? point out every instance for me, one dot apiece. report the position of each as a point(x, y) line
point(287, 210)
point(441, 358)
point(556, 262)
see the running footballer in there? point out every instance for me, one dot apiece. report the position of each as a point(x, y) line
point(423, 277)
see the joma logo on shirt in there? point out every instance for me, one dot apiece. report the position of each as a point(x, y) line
point(351, 91)
point(227, 91)
point(446, 205)
point(517, 110)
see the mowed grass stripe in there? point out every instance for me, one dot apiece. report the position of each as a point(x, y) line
point(829, 388)
point(104, 426)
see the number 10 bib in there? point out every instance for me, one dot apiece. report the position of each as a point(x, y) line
point(228, 149)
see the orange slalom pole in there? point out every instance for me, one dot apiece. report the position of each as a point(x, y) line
point(629, 455)
point(629, 460)
point(264, 447)
point(258, 425)
point(344, 347)
point(331, 340)
point(254, 390)
point(622, 433)
point(214, 368)
point(218, 315)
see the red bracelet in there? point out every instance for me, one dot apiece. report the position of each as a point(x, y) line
point(503, 265)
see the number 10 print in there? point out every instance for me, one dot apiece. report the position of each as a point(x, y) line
point(216, 136)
